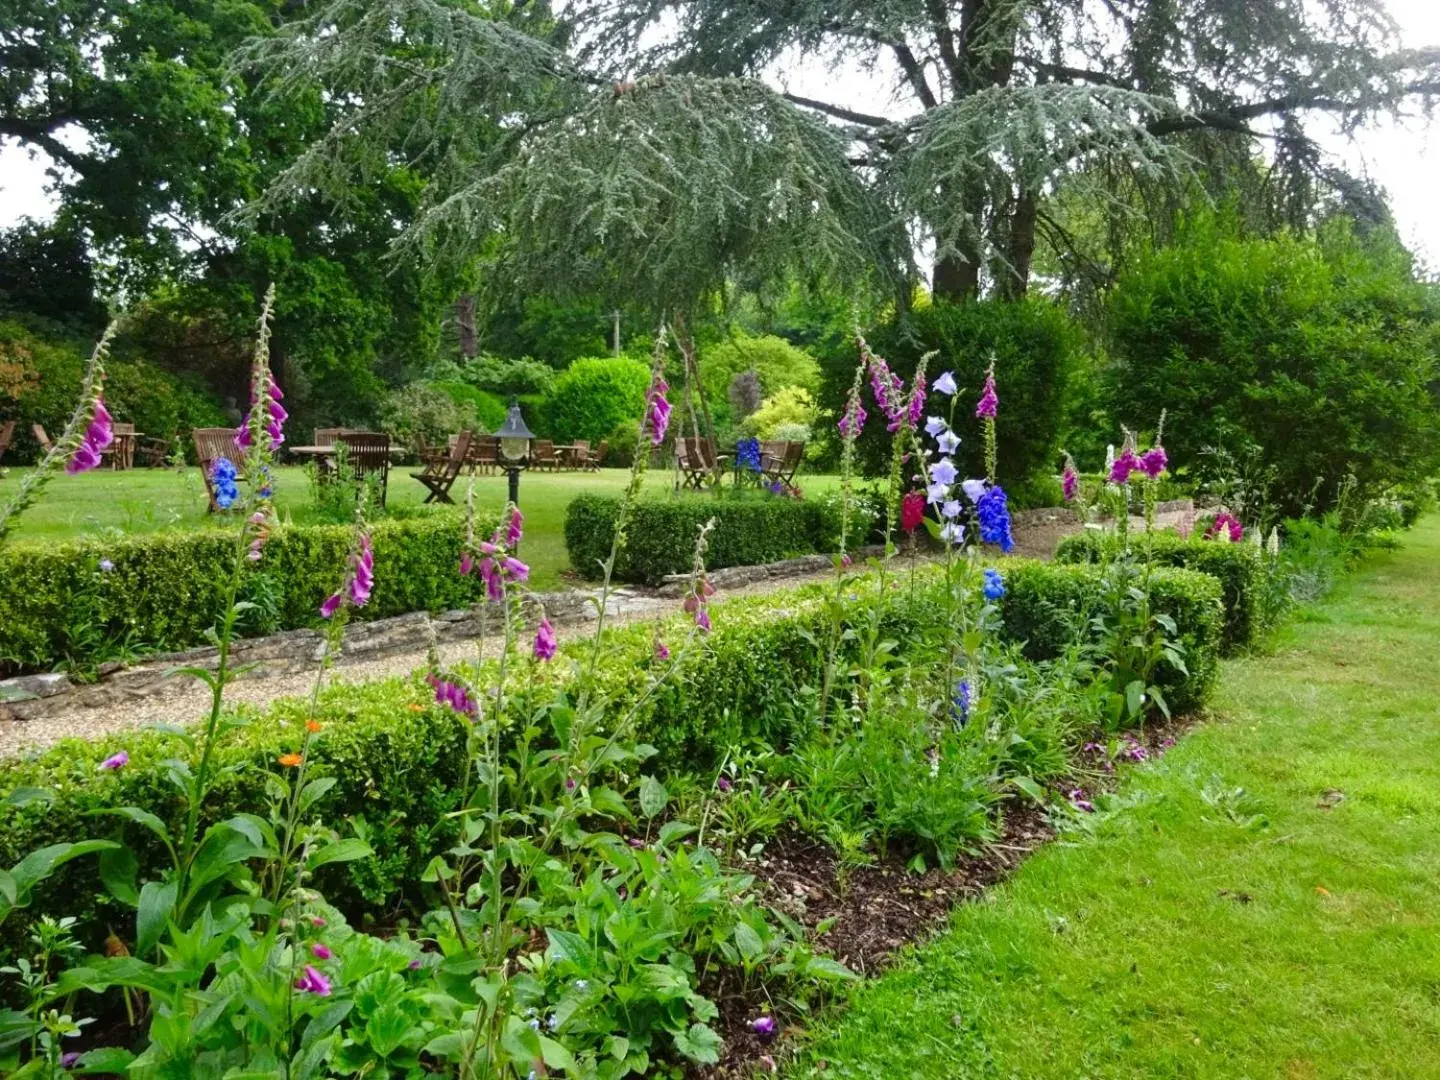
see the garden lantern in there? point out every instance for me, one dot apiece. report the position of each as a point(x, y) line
point(514, 438)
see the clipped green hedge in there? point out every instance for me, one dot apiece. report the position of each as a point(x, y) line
point(1239, 568)
point(748, 531)
point(164, 591)
point(398, 759)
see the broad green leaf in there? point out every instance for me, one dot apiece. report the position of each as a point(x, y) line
point(23, 796)
point(825, 967)
point(748, 941)
point(157, 903)
point(347, 850)
point(1029, 787)
point(698, 1044)
point(104, 1059)
point(653, 796)
point(118, 870)
point(140, 817)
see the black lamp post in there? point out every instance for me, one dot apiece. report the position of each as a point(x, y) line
point(514, 439)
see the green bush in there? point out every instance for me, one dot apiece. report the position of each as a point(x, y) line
point(489, 408)
point(1239, 568)
point(423, 414)
point(504, 378)
point(40, 377)
point(748, 531)
point(592, 396)
point(1323, 352)
point(779, 364)
point(397, 758)
point(165, 590)
point(1034, 344)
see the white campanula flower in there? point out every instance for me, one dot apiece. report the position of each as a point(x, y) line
point(943, 471)
point(934, 425)
point(945, 384)
point(973, 489)
point(951, 509)
point(948, 442)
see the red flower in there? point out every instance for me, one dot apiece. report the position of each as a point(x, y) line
point(912, 510)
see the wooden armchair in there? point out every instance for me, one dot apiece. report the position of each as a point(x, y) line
point(597, 459)
point(211, 444)
point(698, 462)
point(368, 453)
point(780, 461)
point(7, 433)
point(439, 476)
point(543, 455)
point(580, 456)
point(484, 454)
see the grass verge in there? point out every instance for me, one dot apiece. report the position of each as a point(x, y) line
point(1262, 902)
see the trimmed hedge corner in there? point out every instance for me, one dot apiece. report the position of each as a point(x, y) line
point(748, 531)
point(1238, 567)
point(163, 591)
point(398, 759)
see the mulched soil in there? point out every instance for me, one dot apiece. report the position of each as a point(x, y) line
point(880, 909)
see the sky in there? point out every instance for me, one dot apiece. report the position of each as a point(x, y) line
point(1402, 156)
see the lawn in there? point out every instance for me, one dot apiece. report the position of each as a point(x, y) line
point(104, 503)
point(1262, 902)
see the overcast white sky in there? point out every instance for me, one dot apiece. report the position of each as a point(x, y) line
point(1403, 157)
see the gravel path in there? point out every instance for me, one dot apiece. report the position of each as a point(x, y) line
point(1036, 535)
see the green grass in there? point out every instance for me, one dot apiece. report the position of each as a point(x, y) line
point(1201, 933)
point(151, 500)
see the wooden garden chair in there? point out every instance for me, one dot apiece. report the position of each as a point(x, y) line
point(38, 430)
point(154, 452)
point(593, 463)
point(122, 451)
point(698, 462)
point(7, 433)
point(780, 461)
point(580, 456)
point(368, 453)
point(484, 454)
point(211, 444)
point(440, 476)
point(543, 455)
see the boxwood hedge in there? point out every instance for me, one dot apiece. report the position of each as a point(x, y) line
point(1240, 569)
point(398, 759)
point(748, 531)
point(163, 591)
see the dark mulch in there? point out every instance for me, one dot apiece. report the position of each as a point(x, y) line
point(878, 910)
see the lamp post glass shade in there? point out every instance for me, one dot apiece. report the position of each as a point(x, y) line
point(514, 436)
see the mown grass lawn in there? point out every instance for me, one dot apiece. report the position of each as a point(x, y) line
point(1263, 902)
point(102, 503)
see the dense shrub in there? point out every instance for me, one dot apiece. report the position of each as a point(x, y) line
point(426, 414)
point(1325, 353)
point(1034, 345)
point(778, 364)
point(397, 758)
point(505, 378)
point(662, 533)
point(592, 396)
point(39, 379)
point(1239, 568)
point(164, 591)
point(787, 409)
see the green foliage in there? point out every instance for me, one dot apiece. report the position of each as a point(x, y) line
point(164, 591)
point(1322, 352)
point(593, 395)
point(503, 377)
point(426, 414)
point(487, 408)
point(1033, 343)
point(661, 540)
point(790, 408)
point(1240, 569)
point(44, 376)
point(779, 364)
point(397, 758)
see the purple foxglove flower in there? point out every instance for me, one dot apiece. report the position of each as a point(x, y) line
point(934, 425)
point(702, 620)
point(1153, 462)
point(331, 605)
point(467, 564)
point(101, 432)
point(1080, 802)
point(313, 982)
point(490, 574)
point(1123, 466)
point(764, 1026)
point(943, 472)
point(116, 760)
point(362, 580)
point(945, 384)
point(853, 422)
point(989, 402)
point(516, 569)
point(85, 458)
point(513, 531)
point(1069, 483)
point(662, 651)
point(658, 410)
point(321, 951)
point(545, 644)
point(973, 489)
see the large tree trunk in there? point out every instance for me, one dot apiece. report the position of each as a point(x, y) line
point(1013, 279)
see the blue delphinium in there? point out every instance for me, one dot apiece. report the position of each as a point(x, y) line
point(994, 587)
point(226, 491)
point(994, 514)
point(963, 700)
point(747, 454)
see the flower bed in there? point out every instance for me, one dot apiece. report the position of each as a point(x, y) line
point(1240, 569)
point(397, 758)
point(85, 602)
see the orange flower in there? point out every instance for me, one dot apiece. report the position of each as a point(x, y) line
point(415, 706)
point(290, 760)
point(314, 726)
